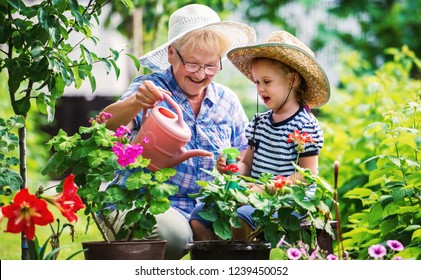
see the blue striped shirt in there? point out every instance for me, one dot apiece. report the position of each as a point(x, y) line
point(220, 123)
point(272, 153)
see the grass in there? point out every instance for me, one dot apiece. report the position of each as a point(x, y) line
point(10, 243)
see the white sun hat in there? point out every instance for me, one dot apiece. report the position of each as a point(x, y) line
point(193, 17)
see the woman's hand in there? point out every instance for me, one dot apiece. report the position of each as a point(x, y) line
point(148, 94)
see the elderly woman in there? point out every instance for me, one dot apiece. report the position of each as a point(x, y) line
point(184, 68)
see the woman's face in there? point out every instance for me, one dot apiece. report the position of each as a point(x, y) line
point(272, 83)
point(193, 83)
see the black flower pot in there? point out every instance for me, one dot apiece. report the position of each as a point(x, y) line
point(125, 250)
point(228, 250)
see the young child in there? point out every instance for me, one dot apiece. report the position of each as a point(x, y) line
point(289, 81)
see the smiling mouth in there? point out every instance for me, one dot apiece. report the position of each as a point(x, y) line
point(196, 81)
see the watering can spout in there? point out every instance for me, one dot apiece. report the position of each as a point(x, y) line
point(184, 155)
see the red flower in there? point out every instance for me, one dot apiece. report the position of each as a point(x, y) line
point(300, 139)
point(232, 168)
point(25, 212)
point(281, 181)
point(68, 202)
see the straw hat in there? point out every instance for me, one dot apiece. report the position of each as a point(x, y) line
point(282, 46)
point(193, 17)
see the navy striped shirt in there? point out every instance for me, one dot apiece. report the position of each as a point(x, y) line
point(273, 154)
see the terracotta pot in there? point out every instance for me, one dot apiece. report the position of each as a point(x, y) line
point(228, 250)
point(125, 250)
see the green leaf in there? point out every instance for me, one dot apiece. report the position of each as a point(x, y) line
point(222, 229)
point(159, 206)
point(86, 54)
point(42, 101)
point(163, 190)
point(23, 105)
point(209, 214)
point(16, 120)
point(164, 174)
point(9, 177)
point(416, 236)
point(116, 68)
point(135, 60)
point(138, 180)
point(358, 193)
point(114, 194)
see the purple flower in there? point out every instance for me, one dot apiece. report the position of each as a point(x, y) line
point(315, 254)
point(377, 251)
point(395, 245)
point(331, 257)
point(294, 253)
point(281, 241)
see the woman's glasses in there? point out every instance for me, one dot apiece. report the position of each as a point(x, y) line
point(193, 67)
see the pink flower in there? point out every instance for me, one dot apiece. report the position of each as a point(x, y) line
point(377, 251)
point(122, 131)
point(331, 257)
point(280, 243)
point(127, 154)
point(294, 253)
point(103, 117)
point(395, 245)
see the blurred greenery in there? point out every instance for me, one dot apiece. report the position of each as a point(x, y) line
point(375, 82)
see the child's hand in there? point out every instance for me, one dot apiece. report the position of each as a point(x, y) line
point(221, 164)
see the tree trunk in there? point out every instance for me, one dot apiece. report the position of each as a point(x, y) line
point(22, 158)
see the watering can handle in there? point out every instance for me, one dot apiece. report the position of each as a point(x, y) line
point(172, 104)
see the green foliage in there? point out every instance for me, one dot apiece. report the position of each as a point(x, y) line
point(38, 252)
point(89, 156)
point(221, 199)
point(273, 206)
point(10, 180)
point(38, 48)
point(372, 127)
point(379, 24)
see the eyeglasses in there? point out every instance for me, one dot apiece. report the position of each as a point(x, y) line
point(193, 67)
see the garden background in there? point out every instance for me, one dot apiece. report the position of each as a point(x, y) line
point(371, 123)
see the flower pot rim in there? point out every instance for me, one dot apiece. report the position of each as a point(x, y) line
point(120, 242)
point(233, 244)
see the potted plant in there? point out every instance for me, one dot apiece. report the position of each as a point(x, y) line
point(93, 155)
point(273, 214)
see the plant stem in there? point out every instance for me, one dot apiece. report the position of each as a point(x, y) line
point(101, 230)
point(338, 226)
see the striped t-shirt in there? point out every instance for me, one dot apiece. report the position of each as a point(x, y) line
point(272, 153)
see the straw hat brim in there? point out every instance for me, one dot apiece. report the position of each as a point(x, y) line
point(318, 92)
point(239, 34)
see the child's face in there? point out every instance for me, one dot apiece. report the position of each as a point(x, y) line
point(272, 83)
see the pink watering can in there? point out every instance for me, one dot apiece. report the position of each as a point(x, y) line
point(167, 134)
